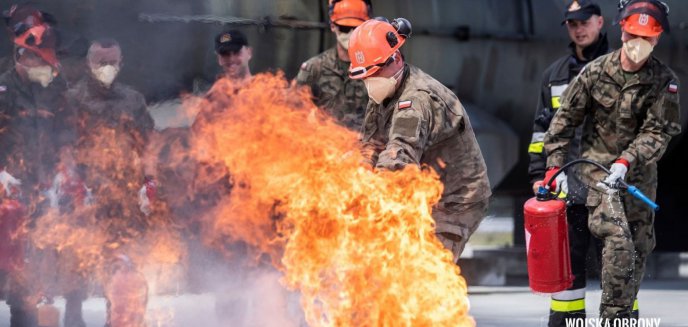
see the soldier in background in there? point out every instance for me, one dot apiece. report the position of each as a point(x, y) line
point(584, 22)
point(412, 119)
point(112, 131)
point(630, 100)
point(326, 74)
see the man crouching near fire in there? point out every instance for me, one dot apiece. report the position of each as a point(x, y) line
point(412, 118)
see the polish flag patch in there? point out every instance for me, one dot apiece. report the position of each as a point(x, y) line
point(673, 88)
point(405, 104)
point(3, 88)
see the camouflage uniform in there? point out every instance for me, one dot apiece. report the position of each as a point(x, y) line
point(115, 173)
point(631, 116)
point(112, 129)
point(343, 98)
point(424, 123)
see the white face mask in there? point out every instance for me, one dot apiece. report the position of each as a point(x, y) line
point(41, 74)
point(637, 49)
point(380, 88)
point(343, 39)
point(106, 74)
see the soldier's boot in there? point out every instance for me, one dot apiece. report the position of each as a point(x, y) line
point(613, 312)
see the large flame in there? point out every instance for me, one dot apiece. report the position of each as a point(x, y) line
point(359, 245)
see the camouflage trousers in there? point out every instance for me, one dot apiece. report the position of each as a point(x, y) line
point(626, 227)
point(456, 222)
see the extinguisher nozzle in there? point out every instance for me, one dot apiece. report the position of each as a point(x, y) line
point(642, 197)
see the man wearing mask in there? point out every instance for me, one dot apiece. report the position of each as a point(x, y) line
point(584, 23)
point(628, 102)
point(32, 125)
point(412, 119)
point(112, 130)
point(326, 74)
point(70, 47)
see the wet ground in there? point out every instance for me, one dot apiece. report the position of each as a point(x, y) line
point(491, 306)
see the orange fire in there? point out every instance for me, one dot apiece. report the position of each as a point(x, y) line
point(359, 245)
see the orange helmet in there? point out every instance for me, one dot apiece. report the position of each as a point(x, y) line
point(642, 25)
point(39, 39)
point(372, 45)
point(349, 12)
point(644, 17)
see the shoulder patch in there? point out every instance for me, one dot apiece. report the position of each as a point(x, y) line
point(673, 87)
point(304, 66)
point(3, 88)
point(405, 104)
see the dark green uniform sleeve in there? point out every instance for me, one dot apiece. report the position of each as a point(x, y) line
point(661, 123)
point(408, 136)
point(562, 129)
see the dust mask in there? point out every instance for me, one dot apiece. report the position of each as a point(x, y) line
point(343, 39)
point(41, 74)
point(637, 49)
point(106, 74)
point(381, 88)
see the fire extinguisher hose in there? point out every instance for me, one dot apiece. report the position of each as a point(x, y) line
point(620, 184)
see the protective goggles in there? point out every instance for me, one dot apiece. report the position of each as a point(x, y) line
point(345, 29)
point(360, 72)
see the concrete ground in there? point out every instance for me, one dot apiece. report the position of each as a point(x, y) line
point(491, 306)
point(517, 306)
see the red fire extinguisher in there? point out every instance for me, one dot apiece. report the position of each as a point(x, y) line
point(547, 243)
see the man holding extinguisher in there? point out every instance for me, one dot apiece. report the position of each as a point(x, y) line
point(631, 101)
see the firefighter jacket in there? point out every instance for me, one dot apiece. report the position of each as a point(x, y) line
point(33, 128)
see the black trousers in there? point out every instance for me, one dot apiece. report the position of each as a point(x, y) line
point(571, 303)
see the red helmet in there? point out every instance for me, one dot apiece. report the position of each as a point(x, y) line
point(349, 12)
point(39, 39)
point(373, 43)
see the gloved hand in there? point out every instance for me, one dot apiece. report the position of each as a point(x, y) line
point(8, 182)
point(560, 183)
point(618, 172)
point(147, 194)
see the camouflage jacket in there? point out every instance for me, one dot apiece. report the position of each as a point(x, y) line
point(33, 127)
point(631, 116)
point(424, 123)
point(343, 98)
point(112, 130)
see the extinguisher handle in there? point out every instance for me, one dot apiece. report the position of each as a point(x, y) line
point(640, 196)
